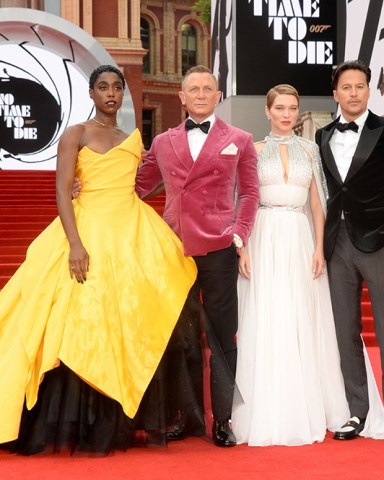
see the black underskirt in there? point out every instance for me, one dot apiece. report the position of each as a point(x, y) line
point(70, 415)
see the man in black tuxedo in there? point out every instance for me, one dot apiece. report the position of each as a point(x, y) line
point(352, 150)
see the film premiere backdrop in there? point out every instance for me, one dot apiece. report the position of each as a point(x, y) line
point(257, 44)
point(45, 63)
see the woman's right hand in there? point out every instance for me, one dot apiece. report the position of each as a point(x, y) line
point(78, 263)
point(76, 187)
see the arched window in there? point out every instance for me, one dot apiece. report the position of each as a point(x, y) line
point(188, 47)
point(145, 41)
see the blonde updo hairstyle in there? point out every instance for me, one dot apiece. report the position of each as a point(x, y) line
point(282, 89)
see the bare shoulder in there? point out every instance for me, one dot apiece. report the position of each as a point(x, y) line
point(73, 135)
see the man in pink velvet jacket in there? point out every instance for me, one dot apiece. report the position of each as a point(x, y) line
point(209, 171)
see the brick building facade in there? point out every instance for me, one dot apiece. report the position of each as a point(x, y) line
point(152, 41)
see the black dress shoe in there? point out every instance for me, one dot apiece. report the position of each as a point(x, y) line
point(177, 432)
point(222, 434)
point(350, 430)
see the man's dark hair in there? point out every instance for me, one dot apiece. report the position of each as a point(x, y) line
point(350, 65)
point(102, 69)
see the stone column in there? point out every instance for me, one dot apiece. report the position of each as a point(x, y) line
point(123, 19)
point(87, 16)
point(70, 10)
point(169, 39)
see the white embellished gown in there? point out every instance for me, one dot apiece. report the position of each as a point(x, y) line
point(290, 386)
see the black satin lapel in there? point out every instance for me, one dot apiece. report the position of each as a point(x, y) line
point(367, 142)
point(328, 155)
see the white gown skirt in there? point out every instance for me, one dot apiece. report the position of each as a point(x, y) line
point(290, 386)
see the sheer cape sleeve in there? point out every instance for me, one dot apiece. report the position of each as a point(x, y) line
point(312, 150)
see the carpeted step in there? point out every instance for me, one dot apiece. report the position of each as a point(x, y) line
point(12, 195)
point(30, 200)
point(365, 295)
point(27, 210)
point(20, 233)
point(37, 225)
point(369, 339)
point(30, 187)
point(8, 269)
point(366, 308)
point(368, 324)
point(11, 258)
point(13, 249)
point(367, 319)
point(12, 218)
point(15, 241)
point(3, 280)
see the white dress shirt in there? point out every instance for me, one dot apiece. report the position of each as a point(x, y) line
point(343, 145)
point(197, 137)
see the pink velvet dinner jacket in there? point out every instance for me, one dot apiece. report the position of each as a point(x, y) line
point(208, 200)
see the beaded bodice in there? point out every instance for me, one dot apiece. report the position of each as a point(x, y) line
point(274, 190)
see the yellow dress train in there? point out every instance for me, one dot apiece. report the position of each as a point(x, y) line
point(113, 329)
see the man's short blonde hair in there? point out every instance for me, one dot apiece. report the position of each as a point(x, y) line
point(198, 69)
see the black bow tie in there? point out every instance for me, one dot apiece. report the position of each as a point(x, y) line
point(204, 127)
point(342, 127)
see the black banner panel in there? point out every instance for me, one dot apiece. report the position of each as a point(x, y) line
point(285, 41)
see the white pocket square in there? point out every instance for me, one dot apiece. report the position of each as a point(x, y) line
point(230, 150)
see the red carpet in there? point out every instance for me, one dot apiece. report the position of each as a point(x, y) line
point(199, 459)
point(28, 205)
point(196, 459)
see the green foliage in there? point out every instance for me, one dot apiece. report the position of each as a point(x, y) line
point(203, 9)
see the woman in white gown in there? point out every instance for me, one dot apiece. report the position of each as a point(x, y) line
point(290, 386)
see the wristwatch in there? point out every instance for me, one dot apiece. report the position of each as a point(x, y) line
point(237, 241)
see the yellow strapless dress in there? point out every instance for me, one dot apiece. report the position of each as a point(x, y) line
point(113, 329)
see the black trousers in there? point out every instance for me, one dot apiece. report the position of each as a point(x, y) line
point(217, 280)
point(347, 269)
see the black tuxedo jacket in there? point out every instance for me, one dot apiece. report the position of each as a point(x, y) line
point(361, 195)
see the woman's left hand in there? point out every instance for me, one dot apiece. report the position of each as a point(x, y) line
point(318, 264)
point(78, 262)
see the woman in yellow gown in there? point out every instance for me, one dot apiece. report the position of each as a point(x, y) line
point(93, 306)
